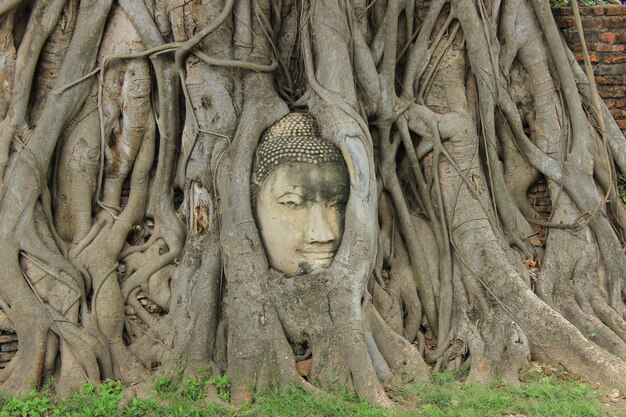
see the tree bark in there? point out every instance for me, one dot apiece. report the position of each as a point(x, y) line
point(128, 241)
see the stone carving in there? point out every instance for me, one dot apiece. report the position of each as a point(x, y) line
point(300, 188)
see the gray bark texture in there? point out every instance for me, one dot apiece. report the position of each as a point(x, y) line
point(128, 243)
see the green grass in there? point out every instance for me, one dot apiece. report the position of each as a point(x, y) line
point(544, 398)
point(446, 396)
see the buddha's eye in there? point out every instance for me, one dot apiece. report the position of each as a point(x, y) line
point(290, 204)
point(290, 200)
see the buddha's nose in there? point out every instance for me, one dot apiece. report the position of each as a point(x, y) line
point(318, 229)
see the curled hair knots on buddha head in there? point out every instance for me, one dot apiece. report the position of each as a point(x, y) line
point(294, 138)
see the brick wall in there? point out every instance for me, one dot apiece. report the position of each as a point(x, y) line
point(605, 35)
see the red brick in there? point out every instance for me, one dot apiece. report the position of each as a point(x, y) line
point(584, 11)
point(620, 37)
point(575, 47)
point(592, 35)
point(608, 37)
point(618, 114)
point(596, 10)
point(592, 57)
point(609, 104)
point(571, 36)
point(614, 22)
point(561, 11)
point(611, 79)
point(606, 47)
point(612, 59)
point(566, 22)
point(620, 103)
point(594, 21)
point(622, 124)
point(610, 69)
point(615, 10)
point(612, 92)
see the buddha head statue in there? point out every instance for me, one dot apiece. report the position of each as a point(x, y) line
point(300, 188)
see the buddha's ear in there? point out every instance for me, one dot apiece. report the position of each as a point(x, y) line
point(356, 154)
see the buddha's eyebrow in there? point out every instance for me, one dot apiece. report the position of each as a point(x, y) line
point(291, 189)
point(288, 193)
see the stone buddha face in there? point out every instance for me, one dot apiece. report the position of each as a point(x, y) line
point(300, 187)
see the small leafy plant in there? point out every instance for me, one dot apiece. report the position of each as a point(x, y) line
point(222, 383)
point(30, 405)
point(91, 401)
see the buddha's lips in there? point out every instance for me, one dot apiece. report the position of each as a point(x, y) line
point(316, 254)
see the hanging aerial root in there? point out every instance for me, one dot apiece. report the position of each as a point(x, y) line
point(44, 18)
point(7, 62)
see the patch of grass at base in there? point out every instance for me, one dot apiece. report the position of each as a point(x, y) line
point(546, 397)
point(294, 402)
point(90, 401)
point(446, 396)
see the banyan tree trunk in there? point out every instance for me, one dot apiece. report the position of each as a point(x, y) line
point(128, 239)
